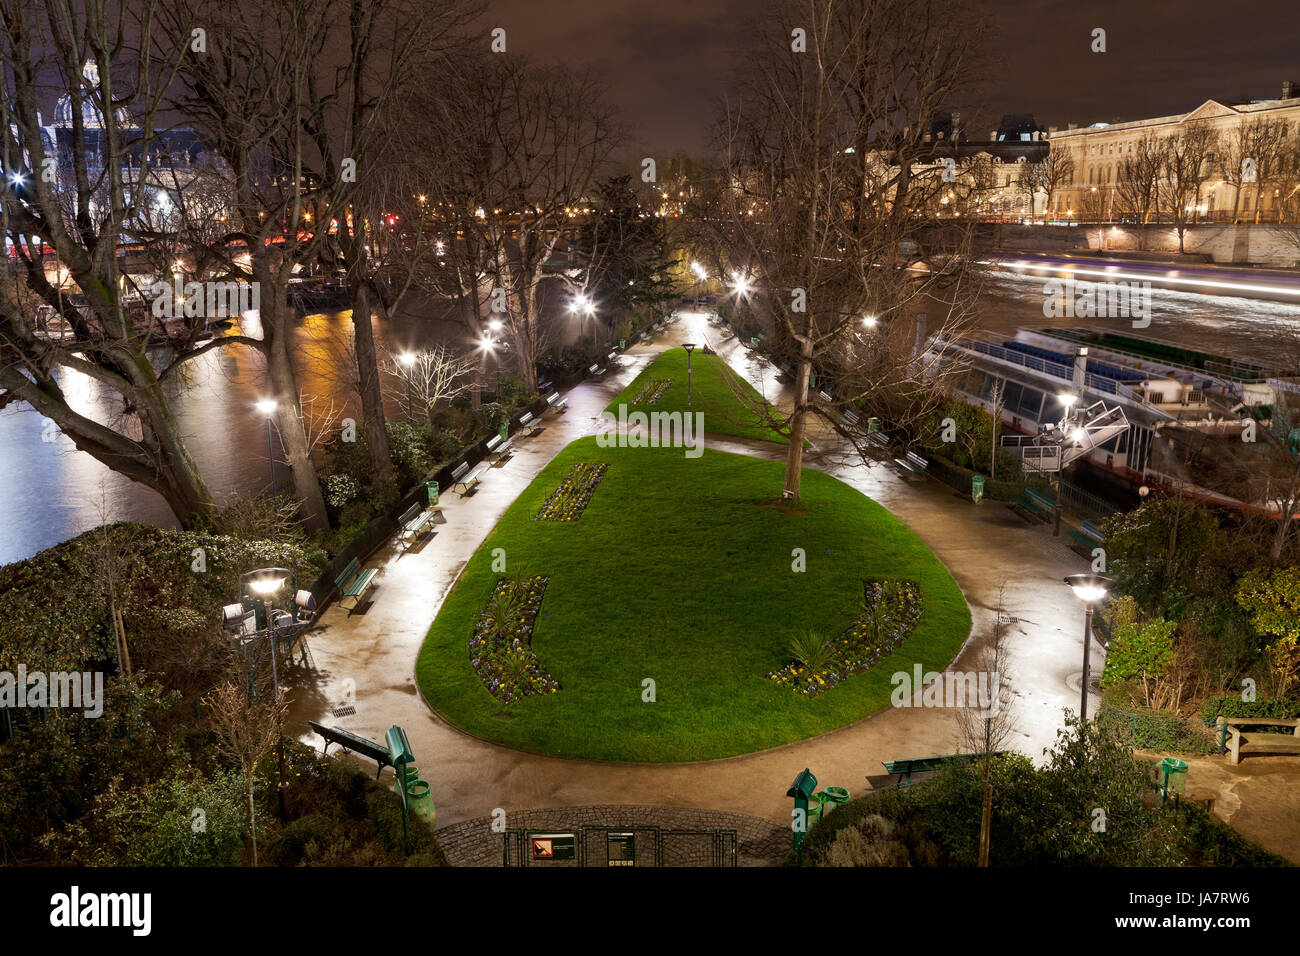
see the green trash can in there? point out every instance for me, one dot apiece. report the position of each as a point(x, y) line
point(816, 808)
point(873, 425)
point(431, 489)
point(622, 344)
point(1174, 775)
point(504, 430)
point(419, 800)
point(833, 797)
point(977, 487)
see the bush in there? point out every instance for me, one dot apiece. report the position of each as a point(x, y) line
point(1233, 706)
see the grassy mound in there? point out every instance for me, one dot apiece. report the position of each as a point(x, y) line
point(680, 571)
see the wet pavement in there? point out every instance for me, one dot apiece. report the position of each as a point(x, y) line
point(366, 661)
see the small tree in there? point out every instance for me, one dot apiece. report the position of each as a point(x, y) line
point(247, 730)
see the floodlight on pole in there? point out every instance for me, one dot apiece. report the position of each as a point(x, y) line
point(690, 347)
point(408, 359)
point(1090, 589)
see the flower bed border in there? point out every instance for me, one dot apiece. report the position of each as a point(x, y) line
point(487, 650)
point(570, 499)
point(652, 391)
point(858, 649)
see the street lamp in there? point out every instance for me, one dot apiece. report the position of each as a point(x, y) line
point(267, 407)
point(408, 359)
point(1090, 589)
point(690, 347)
point(265, 583)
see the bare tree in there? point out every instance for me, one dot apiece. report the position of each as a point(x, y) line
point(65, 220)
point(426, 378)
point(1137, 182)
point(830, 181)
point(524, 145)
point(247, 728)
point(984, 729)
point(1183, 160)
point(1047, 176)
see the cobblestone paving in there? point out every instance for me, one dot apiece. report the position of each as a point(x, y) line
point(760, 842)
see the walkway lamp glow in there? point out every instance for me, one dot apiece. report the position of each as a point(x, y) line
point(267, 407)
point(408, 360)
point(1090, 589)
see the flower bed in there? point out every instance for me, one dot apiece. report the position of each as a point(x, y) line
point(652, 391)
point(891, 610)
point(501, 650)
point(570, 499)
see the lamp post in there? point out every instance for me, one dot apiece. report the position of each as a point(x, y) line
point(1088, 588)
point(408, 360)
point(265, 583)
point(690, 347)
point(267, 407)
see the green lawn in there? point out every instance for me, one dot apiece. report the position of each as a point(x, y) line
point(711, 394)
point(679, 570)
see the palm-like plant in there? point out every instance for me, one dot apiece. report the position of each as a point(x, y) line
point(811, 649)
point(503, 612)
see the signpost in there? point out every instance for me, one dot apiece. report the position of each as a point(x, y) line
point(553, 846)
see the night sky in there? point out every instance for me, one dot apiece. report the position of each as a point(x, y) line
point(667, 61)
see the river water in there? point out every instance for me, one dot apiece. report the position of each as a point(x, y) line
point(49, 491)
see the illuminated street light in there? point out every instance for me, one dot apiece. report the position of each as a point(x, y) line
point(1090, 589)
point(494, 325)
point(739, 283)
point(581, 303)
point(870, 321)
point(265, 583)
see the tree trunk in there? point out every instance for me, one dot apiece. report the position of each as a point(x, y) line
point(798, 421)
point(986, 823)
point(293, 432)
point(372, 399)
point(252, 814)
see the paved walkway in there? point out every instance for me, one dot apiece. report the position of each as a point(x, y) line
point(367, 660)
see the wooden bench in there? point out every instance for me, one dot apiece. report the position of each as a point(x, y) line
point(1237, 744)
point(850, 419)
point(530, 422)
point(1033, 505)
point(1088, 537)
point(595, 371)
point(353, 742)
point(353, 583)
point(413, 520)
point(463, 478)
point(497, 447)
point(556, 403)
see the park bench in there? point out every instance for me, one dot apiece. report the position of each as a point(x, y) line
point(351, 742)
point(463, 479)
point(645, 336)
point(913, 462)
point(595, 371)
point(1238, 744)
point(413, 520)
point(609, 359)
point(353, 583)
point(1033, 505)
point(1088, 537)
point(850, 419)
point(903, 769)
point(530, 422)
point(556, 402)
point(497, 447)
point(726, 334)
point(825, 396)
point(544, 387)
